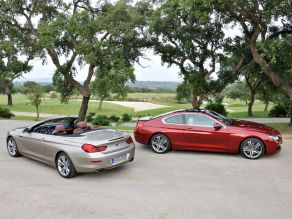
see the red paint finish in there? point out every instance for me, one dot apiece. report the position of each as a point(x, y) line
point(206, 137)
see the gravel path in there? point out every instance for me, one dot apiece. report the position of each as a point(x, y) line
point(138, 106)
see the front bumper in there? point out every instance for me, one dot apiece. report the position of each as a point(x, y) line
point(94, 162)
point(273, 147)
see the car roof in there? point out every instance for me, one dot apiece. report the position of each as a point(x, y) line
point(180, 111)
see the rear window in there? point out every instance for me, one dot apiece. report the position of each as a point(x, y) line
point(177, 119)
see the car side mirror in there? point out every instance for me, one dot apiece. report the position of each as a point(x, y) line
point(217, 126)
point(26, 130)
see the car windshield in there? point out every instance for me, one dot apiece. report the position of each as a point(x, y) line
point(220, 117)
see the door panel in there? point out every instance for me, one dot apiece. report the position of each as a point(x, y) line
point(174, 127)
point(33, 144)
point(200, 133)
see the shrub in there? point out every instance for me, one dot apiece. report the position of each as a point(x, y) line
point(101, 120)
point(114, 118)
point(89, 117)
point(217, 107)
point(53, 94)
point(126, 117)
point(278, 111)
point(5, 113)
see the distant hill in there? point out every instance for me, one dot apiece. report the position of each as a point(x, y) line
point(152, 85)
point(38, 80)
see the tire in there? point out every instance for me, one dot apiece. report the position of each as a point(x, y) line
point(65, 166)
point(160, 144)
point(252, 148)
point(12, 147)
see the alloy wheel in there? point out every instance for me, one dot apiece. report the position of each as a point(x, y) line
point(64, 165)
point(252, 149)
point(12, 147)
point(160, 144)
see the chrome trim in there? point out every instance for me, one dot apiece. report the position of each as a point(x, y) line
point(192, 113)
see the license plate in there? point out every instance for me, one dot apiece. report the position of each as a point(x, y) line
point(119, 159)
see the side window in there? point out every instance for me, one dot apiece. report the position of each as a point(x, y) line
point(178, 119)
point(199, 120)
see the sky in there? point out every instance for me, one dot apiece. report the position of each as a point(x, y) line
point(152, 70)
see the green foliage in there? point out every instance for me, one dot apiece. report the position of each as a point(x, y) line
point(90, 117)
point(183, 93)
point(114, 118)
point(278, 111)
point(189, 34)
point(239, 90)
point(34, 93)
point(126, 117)
point(101, 121)
point(217, 107)
point(5, 113)
point(111, 77)
point(79, 34)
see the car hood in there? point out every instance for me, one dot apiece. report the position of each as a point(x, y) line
point(99, 136)
point(255, 127)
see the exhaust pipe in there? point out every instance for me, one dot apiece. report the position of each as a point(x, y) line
point(100, 170)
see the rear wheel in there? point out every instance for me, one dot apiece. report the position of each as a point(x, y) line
point(12, 147)
point(160, 144)
point(252, 148)
point(65, 166)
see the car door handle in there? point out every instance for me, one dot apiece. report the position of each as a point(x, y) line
point(189, 129)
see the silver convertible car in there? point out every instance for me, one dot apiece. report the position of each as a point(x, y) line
point(71, 146)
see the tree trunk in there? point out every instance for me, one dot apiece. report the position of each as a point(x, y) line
point(9, 99)
point(266, 106)
point(37, 109)
point(9, 95)
point(196, 102)
point(279, 82)
point(251, 102)
point(100, 103)
point(83, 108)
point(290, 111)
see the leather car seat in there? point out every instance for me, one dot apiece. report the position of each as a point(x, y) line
point(81, 127)
point(60, 130)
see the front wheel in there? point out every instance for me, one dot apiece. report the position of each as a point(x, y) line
point(65, 166)
point(160, 144)
point(252, 148)
point(12, 147)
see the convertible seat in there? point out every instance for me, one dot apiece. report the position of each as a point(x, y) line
point(60, 130)
point(81, 127)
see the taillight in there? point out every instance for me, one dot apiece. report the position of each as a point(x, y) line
point(89, 148)
point(129, 140)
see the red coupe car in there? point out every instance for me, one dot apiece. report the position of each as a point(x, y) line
point(203, 130)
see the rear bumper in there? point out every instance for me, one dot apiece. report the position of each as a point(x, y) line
point(141, 136)
point(97, 161)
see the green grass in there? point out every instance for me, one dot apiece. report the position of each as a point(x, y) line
point(121, 128)
point(237, 109)
point(161, 98)
point(284, 128)
point(53, 106)
point(28, 118)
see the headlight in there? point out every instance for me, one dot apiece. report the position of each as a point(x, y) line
point(274, 137)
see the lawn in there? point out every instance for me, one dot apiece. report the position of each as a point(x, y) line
point(237, 109)
point(53, 106)
point(160, 98)
point(283, 128)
